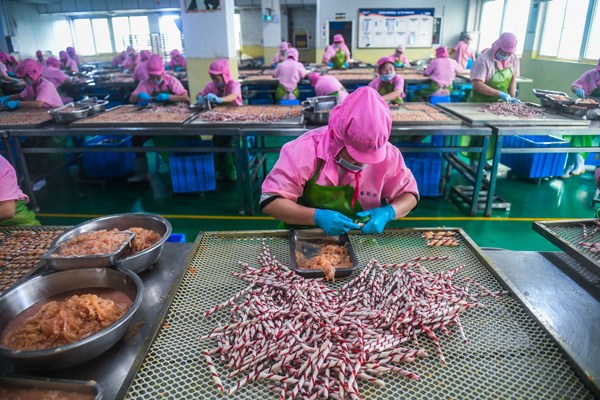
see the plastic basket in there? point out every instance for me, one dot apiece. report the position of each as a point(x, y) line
point(593, 159)
point(108, 164)
point(192, 172)
point(433, 100)
point(535, 165)
point(294, 102)
point(260, 102)
point(427, 170)
point(457, 96)
point(176, 238)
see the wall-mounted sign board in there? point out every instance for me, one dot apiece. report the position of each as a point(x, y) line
point(387, 28)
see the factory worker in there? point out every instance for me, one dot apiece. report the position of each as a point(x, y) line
point(40, 57)
point(442, 72)
point(129, 63)
point(337, 55)
point(67, 63)
point(342, 172)
point(494, 74)
point(282, 55)
point(289, 73)
point(587, 85)
point(38, 93)
point(10, 62)
point(463, 52)
point(222, 90)
point(177, 62)
point(400, 58)
point(71, 52)
point(119, 58)
point(328, 85)
point(64, 84)
point(141, 71)
point(13, 202)
point(4, 75)
point(389, 84)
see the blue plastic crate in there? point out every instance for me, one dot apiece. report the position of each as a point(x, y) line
point(176, 238)
point(427, 170)
point(433, 100)
point(535, 165)
point(294, 102)
point(260, 102)
point(457, 96)
point(192, 172)
point(593, 159)
point(107, 164)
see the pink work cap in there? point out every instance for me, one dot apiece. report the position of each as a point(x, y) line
point(130, 49)
point(400, 48)
point(292, 53)
point(145, 54)
point(507, 42)
point(313, 78)
point(53, 62)
point(220, 67)
point(4, 56)
point(362, 123)
point(441, 52)
point(30, 68)
point(155, 65)
point(71, 51)
point(337, 38)
point(384, 60)
point(39, 54)
point(283, 46)
point(175, 52)
point(63, 54)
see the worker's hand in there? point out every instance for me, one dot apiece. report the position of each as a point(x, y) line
point(213, 98)
point(274, 65)
point(402, 65)
point(580, 93)
point(178, 68)
point(333, 222)
point(12, 104)
point(16, 80)
point(162, 97)
point(379, 217)
point(143, 96)
point(345, 65)
point(330, 64)
point(4, 99)
point(125, 71)
point(505, 97)
point(515, 100)
point(167, 67)
point(200, 99)
point(12, 74)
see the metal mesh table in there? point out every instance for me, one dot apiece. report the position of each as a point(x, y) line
point(508, 353)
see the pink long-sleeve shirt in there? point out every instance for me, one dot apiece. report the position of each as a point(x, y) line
point(442, 71)
point(169, 85)
point(383, 181)
point(289, 73)
point(44, 91)
point(70, 64)
point(589, 81)
point(397, 80)
point(9, 187)
point(232, 86)
point(54, 76)
point(462, 53)
point(140, 72)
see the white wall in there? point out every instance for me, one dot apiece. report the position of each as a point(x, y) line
point(303, 19)
point(251, 22)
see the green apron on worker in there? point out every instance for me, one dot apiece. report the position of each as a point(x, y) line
point(339, 59)
point(582, 141)
point(280, 92)
point(433, 87)
point(388, 87)
point(500, 81)
point(23, 216)
point(336, 198)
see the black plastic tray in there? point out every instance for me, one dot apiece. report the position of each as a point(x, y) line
point(309, 242)
point(66, 385)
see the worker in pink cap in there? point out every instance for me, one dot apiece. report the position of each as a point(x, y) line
point(328, 85)
point(128, 64)
point(40, 57)
point(337, 174)
point(13, 202)
point(177, 62)
point(141, 71)
point(9, 62)
point(281, 55)
point(222, 90)
point(119, 58)
point(463, 52)
point(63, 84)
point(71, 52)
point(388, 84)
point(38, 93)
point(337, 54)
point(400, 57)
point(67, 63)
point(289, 73)
point(442, 71)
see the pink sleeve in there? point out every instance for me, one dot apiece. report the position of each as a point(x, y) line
point(347, 50)
point(398, 83)
point(430, 68)
point(28, 93)
point(207, 89)
point(235, 87)
point(73, 65)
point(9, 189)
point(516, 66)
point(176, 86)
point(48, 95)
point(374, 83)
point(277, 71)
point(402, 179)
point(479, 70)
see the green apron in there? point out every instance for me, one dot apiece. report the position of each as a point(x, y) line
point(433, 87)
point(388, 87)
point(336, 198)
point(339, 59)
point(500, 81)
point(280, 93)
point(582, 141)
point(23, 216)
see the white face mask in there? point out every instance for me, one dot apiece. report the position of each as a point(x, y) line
point(342, 162)
point(387, 77)
point(159, 82)
point(220, 84)
point(501, 57)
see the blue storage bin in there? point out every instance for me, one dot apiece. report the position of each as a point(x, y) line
point(107, 164)
point(433, 100)
point(593, 159)
point(192, 172)
point(260, 102)
point(457, 96)
point(427, 170)
point(535, 165)
point(176, 238)
point(294, 102)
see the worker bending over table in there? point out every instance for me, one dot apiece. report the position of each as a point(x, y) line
point(39, 92)
point(442, 72)
point(341, 173)
point(328, 85)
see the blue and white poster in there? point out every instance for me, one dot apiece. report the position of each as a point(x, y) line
point(390, 27)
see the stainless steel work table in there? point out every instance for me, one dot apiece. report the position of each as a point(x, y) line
point(115, 369)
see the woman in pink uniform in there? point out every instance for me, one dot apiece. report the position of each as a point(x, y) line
point(328, 85)
point(337, 55)
point(282, 55)
point(40, 57)
point(141, 72)
point(13, 208)
point(442, 72)
point(39, 92)
point(67, 63)
point(177, 62)
point(400, 58)
point(227, 91)
point(128, 64)
point(71, 52)
point(342, 172)
point(388, 84)
point(118, 59)
point(289, 73)
point(64, 85)
point(463, 52)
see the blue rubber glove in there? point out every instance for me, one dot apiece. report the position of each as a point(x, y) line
point(505, 97)
point(274, 66)
point(12, 104)
point(333, 222)
point(200, 99)
point(330, 64)
point(167, 67)
point(161, 97)
point(125, 71)
point(143, 96)
point(4, 99)
point(515, 100)
point(178, 68)
point(402, 65)
point(580, 93)
point(12, 74)
point(345, 65)
point(213, 98)
point(379, 217)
